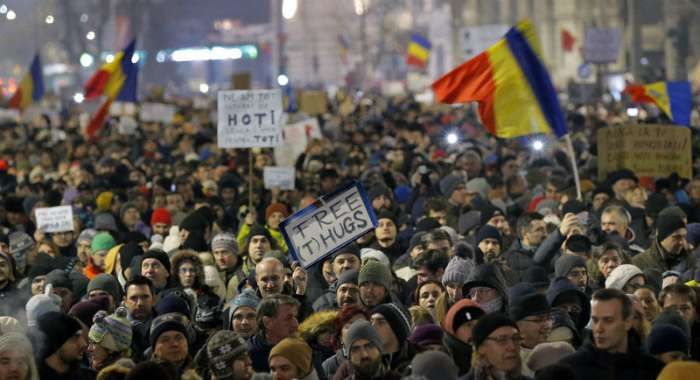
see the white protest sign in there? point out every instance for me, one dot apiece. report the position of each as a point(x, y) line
point(296, 137)
point(328, 225)
point(54, 219)
point(602, 45)
point(249, 119)
point(475, 39)
point(157, 112)
point(279, 176)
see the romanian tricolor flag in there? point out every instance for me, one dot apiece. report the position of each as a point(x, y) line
point(675, 99)
point(515, 93)
point(115, 80)
point(418, 51)
point(31, 88)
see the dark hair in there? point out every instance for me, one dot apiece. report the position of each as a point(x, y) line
point(610, 246)
point(559, 182)
point(435, 204)
point(269, 305)
point(431, 259)
point(437, 234)
point(679, 289)
point(138, 281)
point(615, 294)
point(524, 221)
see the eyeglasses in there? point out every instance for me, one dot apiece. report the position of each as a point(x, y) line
point(678, 308)
point(503, 340)
point(473, 292)
point(545, 318)
point(577, 273)
point(571, 308)
point(187, 270)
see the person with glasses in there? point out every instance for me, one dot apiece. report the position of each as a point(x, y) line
point(682, 299)
point(486, 286)
point(573, 267)
point(612, 350)
point(532, 314)
point(497, 341)
point(187, 271)
point(626, 277)
point(565, 296)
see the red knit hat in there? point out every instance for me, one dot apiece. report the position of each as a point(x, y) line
point(161, 215)
point(276, 207)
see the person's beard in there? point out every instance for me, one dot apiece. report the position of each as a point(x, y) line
point(368, 369)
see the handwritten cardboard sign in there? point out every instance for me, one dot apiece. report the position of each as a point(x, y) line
point(249, 119)
point(54, 219)
point(333, 222)
point(279, 176)
point(648, 150)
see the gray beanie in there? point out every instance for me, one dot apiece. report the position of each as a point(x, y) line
point(434, 365)
point(225, 241)
point(347, 277)
point(565, 263)
point(361, 330)
point(246, 298)
point(548, 353)
point(105, 283)
point(41, 304)
point(374, 271)
point(619, 277)
point(457, 271)
point(450, 183)
point(87, 235)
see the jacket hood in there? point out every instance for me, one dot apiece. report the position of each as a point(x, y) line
point(561, 287)
point(487, 275)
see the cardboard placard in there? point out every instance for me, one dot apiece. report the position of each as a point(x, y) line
point(331, 223)
point(602, 45)
point(54, 219)
point(313, 103)
point(157, 112)
point(249, 119)
point(648, 150)
point(279, 176)
point(296, 137)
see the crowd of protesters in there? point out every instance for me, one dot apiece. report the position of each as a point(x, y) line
point(483, 264)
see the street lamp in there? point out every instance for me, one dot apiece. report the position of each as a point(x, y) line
point(11, 15)
point(90, 35)
point(289, 9)
point(49, 19)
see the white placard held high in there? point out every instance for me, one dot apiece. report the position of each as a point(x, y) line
point(249, 119)
point(54, 219)
point(279, 176)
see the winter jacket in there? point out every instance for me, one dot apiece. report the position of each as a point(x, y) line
point(460, 352)
point(563, 287)
point(259, 351)
point(591, 363)
point(549, 250)
point(519, 258)
point(46, 372)
point(331, 365)
point(656, 258)
point(13, 301)
point(327, 301)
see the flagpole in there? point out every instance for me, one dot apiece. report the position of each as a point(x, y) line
point(574, 166)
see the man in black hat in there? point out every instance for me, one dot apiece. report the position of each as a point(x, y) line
point(621, 181)
point(532, 314)
point(344, 260)
point(496, 341)
point(62, 342)
point(155, 265)
point(489, 242)
point(667, 251)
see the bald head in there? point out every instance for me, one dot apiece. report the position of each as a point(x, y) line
point(269, 275)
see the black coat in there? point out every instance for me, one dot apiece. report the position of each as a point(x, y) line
point(591, 363)
point(259, 351)
point(460, 352)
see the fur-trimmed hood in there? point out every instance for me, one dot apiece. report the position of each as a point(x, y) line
point(187, 255)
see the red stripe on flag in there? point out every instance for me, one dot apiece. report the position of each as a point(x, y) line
point(98, 120)
point(16, 100)
point(95, 86)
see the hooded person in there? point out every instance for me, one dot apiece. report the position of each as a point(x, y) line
point(565, 295)
point(317, 330)
point(291, 359)
point(62, 343)
point(458, 324)
point(394, 328)
point(110, 338)
point(12, 299)
point(486, 286)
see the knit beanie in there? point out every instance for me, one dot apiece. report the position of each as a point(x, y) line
point(105, 221)
point(223, 347)
point(434, 365)
point(276, 207)
point(104, 201)
point(246, 298)
point(57, 328)
point(672, 317)
point(125, 207)
point(374, 254)
point(41, 304)
point(479, 185)
point(225, 241)
point(450, 183)
point(680, 370)
point(347, 277)
point(296, 351)
point(619, 277)
point(20, 243)
point(398, 320)
point(488, 212)
point(258, 230)
point(457, 271)
point(461, 312)
point(105, 283)
point(59, 279)
point(361, 329)
point(85, 310)
point(103, 241)
point(486, 232)
point(173, 303)
point(374, 271)
point(548, 353)
point(168, 322)
point(487, 324)
point(111, 332)
point(351, 248)
point(161, 215)
point(87, 235)
point(666, 338)
point(565, 263)
point(425, 335)
point(528, 305)
point(666, 224)
point(158, 255)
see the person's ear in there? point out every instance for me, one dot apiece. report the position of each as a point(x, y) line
point(628, 323)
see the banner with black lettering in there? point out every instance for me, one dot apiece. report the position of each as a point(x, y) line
point(332, 222)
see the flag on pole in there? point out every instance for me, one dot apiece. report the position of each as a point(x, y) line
point(567, 40)
point(418, 51)
point(675, 99)
point(116, 80)
point(31, 88)
point(511, 84)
